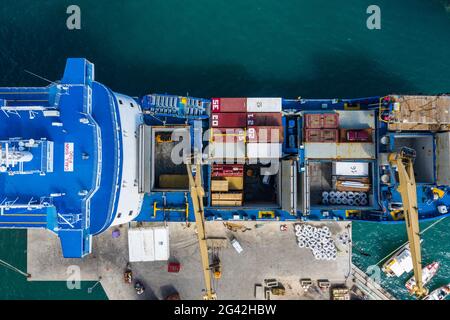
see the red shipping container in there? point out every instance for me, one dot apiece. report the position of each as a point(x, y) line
point(313, 135)
point(229, 135)
point(313, 121)
point(265, 134)
point(330, 121)
point(227, 170)
point(264, 119)
point(228, 105)
point(324, 120)
point(228, 120)
point(330, 135)
point(321, 135)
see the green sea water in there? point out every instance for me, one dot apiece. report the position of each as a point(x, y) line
point(290, 48)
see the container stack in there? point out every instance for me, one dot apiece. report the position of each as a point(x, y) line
point(228, 125)
point(264, 128)
point(228, 131)
point(227, 185)
point(322, 127)
point(259, 118)
point(241, 128)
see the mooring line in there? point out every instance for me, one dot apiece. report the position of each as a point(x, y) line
point(11, 267)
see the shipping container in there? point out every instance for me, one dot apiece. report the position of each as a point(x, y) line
point(330, 121)
point(264, 150)
point(313, 121)
point(313, 135)
point(229, 120)
point(264, 104)
point(322, 120)
point(226, 151)
point(227, 170)
point(321, 135)
point(228, 135)
point(228, 105)
point(330, 135)
point(264, 119)
point(355, 135)
point(265, 134)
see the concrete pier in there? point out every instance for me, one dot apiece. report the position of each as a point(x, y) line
point(368, 286)
point(268, 253)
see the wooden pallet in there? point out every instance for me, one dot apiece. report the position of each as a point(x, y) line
point(421, 113)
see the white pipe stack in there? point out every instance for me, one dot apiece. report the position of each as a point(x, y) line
point(318, 240)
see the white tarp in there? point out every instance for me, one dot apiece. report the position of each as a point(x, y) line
point(148, 244)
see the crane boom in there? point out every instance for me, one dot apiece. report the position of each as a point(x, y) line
point(197, 194)
point(403, 160)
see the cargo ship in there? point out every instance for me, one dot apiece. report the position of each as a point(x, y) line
point(77, 158)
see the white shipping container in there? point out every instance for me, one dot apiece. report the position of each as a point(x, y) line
point(219, 150)
point(148, 244)
point(264, 150)
point(350, 168)
point(264, 104)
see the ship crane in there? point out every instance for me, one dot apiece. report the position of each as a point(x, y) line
point(197, 195)
point(403, 160)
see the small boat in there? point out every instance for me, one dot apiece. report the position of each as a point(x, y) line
point(439, 294)
point(427, 274)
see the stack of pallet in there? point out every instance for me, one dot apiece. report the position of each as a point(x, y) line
point(227, 185)
point(420, 113)
point(321, 127)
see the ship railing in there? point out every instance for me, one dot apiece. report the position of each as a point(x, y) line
point(32, 110)
point(31, 205)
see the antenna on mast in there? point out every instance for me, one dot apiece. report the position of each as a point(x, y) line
point(38, 76)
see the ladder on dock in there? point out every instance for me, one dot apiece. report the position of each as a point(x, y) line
point(368, 286)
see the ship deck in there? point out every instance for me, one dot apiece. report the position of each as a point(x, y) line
point(26, 187)
point(85, 130)
point(357, 113)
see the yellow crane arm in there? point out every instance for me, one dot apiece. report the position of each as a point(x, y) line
point(408, 191)
point(197, 194)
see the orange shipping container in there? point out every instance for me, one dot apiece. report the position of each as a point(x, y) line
point(322, 120)
point(321, 135)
